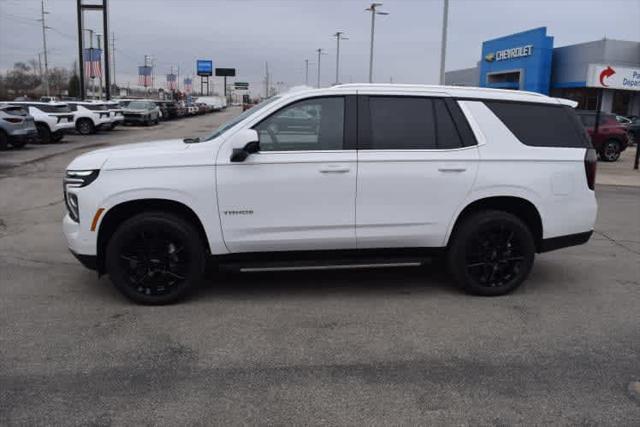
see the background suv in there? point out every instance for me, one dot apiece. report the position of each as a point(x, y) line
point(141, 111)
point(52, 119)
point(16, 126)
point(379, 174)
point(89, 116)
point(611, 139)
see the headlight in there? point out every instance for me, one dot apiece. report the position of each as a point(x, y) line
point(76, 179)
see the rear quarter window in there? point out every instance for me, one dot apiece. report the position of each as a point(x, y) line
point(541, 125)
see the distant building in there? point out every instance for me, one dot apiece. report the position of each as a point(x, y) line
point(528, 61)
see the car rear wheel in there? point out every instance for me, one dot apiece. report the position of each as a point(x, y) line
point(611, 151)
point(491, 253)
point(4, 140)
point(85, 127)
point(155, 258)
point(44, 133)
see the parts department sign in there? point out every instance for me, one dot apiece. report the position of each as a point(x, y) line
point(613, 77)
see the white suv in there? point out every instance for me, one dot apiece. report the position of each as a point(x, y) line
point(52, 119)
point(90, 116)
point(342, 177)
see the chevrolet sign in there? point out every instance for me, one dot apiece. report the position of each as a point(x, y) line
point(515, 52)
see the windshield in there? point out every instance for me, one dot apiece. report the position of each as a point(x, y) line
point(237, 119)
point(138, 105)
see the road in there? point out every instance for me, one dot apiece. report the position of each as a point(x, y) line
point(395, 346)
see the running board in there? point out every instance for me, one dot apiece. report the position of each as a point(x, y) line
point(329, 267)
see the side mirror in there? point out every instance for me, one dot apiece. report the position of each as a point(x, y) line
point(243, 144)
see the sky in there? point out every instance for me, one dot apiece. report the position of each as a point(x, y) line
point(244, 34)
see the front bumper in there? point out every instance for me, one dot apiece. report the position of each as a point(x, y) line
point(136, 118)
point(88, 261)
point(77, 241)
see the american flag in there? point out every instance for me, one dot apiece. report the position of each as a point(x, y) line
point(92, 63)
point(171, 82)
point(144, 75)
point(188, 85)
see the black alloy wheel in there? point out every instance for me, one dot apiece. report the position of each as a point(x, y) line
point(44, 133)
point(492, 253)
point(85, 127)
point(155, 258)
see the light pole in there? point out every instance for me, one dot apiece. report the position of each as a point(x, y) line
point(44, 43)
point(443, 48)
point(320, 52)
point(339, 35)
point(373, 8)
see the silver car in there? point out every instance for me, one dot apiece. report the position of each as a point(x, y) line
point(16, 126)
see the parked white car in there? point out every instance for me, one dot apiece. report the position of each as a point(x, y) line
point(52, 119)
point(116, 115)
point(216, 103)
point(89, 116)
point(348, 176)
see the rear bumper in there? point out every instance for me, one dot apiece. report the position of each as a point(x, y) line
point(564, 241)
point(21, 135)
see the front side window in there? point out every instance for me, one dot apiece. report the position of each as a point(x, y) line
point(308, 125)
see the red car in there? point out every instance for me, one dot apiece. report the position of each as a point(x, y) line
point(611, 139)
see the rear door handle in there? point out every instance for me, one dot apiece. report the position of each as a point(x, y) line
point(452, 169)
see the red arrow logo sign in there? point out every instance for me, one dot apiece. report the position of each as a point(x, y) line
point(607, 72)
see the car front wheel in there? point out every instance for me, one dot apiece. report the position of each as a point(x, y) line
point(155, 258)
point(610, 151)
point(491, 253)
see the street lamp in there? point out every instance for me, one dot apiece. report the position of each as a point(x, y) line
point(373, 8)
point(339, 35)
point(306, 71)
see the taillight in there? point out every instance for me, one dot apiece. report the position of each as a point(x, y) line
point(590, 162)
point(12, 119)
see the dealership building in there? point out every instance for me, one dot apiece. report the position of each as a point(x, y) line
point(582, 72)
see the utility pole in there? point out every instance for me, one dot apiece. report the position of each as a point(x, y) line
point(44, 44)
point(98, 36)
point(306, 72)
point(443, 49)
point(113, 56)
point(338, 35)
point(319, 54)
point(373, 8)
point(266, 80)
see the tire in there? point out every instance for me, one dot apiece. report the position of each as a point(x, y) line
point(610, 151)
point(491, 253)
point(4, 140)
point(44, 133)
point(15, 144)
point(155, 258)
point(57, 136)
point(85, 127)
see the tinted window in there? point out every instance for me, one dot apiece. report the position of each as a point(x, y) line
point(448, 136)
point(53, 108)
point(401, 123)
point(14, 111)
point(540, 125)
point(95, 107)
point(588, 120)
point(312, 124)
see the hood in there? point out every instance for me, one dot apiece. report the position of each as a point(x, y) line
point(165, 153)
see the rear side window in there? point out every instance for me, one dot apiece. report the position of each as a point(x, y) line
point(53, 108)
point(95, 107)
point(540, 125)
point(15, 111)
point(402, 123)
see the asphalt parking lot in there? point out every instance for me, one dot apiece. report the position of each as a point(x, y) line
point(394, 346)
